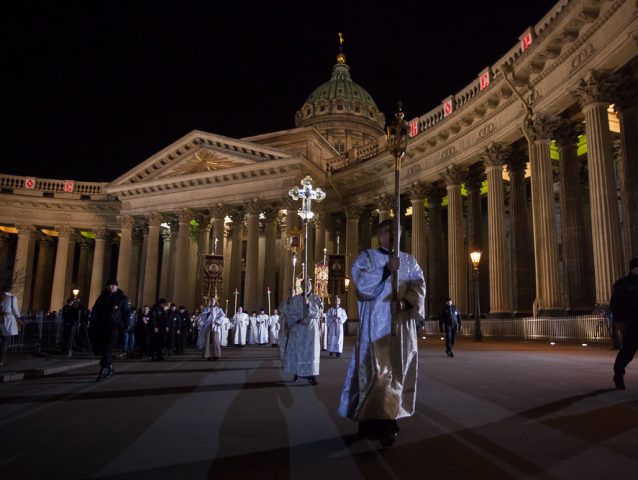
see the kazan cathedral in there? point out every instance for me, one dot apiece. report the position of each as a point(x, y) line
point(534, 163)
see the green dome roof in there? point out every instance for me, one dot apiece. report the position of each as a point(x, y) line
point(340, 96)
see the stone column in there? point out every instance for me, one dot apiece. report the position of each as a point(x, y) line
point(58, 293)
point(473, 180)
point(137, 245)
point(522, 279)
point(4, 258)
point(385, 202)
point(418, 192)
point(124, 257)
point(83, 266)
point(180, 285)
point(23, 265)
point(217, 215)
point(549, 292)
point(576, 260)
point(457, 263)
point(151, 264)
point(437, 268)
point(627, 110)
point(594, 93)
point(252, 295)
point(353, 212)
point(141, 268)
point(270, 257)
point(98, 266)
point(292, 226)
point(320, 236)
point(235, 256)
point(164, 285)
point(43, 274)
point(493, 156)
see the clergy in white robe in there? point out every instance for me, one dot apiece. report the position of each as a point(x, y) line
point(323, 332)
point(210, 321)
point(302, 349)
point(240, 324)
point(335, 318)
point(380, 384)
point(225, 328)
point(252, 329)
point(273, 328)
point(262, 328)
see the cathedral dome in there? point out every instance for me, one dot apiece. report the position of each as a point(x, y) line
point(342, 111)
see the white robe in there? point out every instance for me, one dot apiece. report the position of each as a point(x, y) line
point(240, 322)
point(381, 378)
point(324, 332)
point(210, 331)
point(336, 317)
point(252, 330)
point(273, 329)
point(8, 314)
point(262, 329)
point(302, 348)
point(225, 328)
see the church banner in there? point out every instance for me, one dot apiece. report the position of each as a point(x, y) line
point(321, 279)
point(337, 274)
point(213, 269)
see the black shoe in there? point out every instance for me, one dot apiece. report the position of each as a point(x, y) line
point(330, 354)
point(338, 354)
point(295, 378)
point(99, 375)
point(365, 429)
point(451, 354)
point(447, 352)
point(619, 382)
point(387, 438)
point(313, 381)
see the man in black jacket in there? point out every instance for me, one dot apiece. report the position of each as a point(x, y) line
point(624, 306)
point(158, 328)
point(110, 312)
point(450, 319)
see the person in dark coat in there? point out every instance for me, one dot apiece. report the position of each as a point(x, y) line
point(158, 328)
point(174, 323)
point(110, 312)
point(143, 331)
point(624, 307)
point(184, 329)
point(450, 322)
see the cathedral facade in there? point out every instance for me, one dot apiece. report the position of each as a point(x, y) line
point(534, 163)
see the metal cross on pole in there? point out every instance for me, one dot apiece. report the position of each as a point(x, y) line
point(307, 194)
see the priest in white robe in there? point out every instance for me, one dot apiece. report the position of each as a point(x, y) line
point(380, 385)
point(273, 328)
point(335, 318)
point(303, 349)
point(323, 332)
point(240, 325)
point(262, 328)
point(210, 321)
point(225, 328)
point(252, 328)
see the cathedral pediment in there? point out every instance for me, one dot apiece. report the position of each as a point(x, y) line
point(198, 154)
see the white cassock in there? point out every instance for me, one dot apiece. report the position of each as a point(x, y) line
point(336, 317)
point(210, 321)
point(273, 329)
point(262, 329)
point(381, 378)
point(303, 349)
point(324, 333)
point(240, 323)
point(225, 328)
point(252, 330)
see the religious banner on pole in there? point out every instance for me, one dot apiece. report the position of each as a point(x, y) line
point(213, 269)
point(337, 274)
point(321, 279)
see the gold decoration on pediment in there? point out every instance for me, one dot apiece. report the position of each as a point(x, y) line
point(202, 161)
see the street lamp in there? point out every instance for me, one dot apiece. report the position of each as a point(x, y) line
point(475, 257)
point(76, 292)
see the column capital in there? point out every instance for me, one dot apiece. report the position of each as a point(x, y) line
point(494, 154)
point(384, 201)
point(566, 133)
point(218, 211)
point(353, 212)
point(84, 242)
point(417, 190)
point(184, 215)
point(153, 219)
point(596, 87)
point(65, 232)
point(516, 162)
point(126, 221)
point(541, 128)
point(236, 215)
point(252, 207)
point(435, 194)
point(26, 228)
point(289, 204)
point(101, 233)
point(271, 213)
point(45, 240)
point(474, 176)
point(453, 175)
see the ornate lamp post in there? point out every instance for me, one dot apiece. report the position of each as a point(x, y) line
point(475, 257)
point(397, 136)
point(307, 194)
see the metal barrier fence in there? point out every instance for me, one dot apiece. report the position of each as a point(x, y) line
point(39, 333)
point(580, 329)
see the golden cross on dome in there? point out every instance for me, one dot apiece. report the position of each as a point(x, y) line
point(341, 42)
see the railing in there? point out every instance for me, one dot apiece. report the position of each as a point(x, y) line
point(39, 333)
point(51, 185)
point(356, 155)
point(580, 329)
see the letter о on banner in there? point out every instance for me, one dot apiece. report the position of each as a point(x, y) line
point(29, 183)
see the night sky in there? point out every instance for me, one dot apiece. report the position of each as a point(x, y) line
point(91, 90)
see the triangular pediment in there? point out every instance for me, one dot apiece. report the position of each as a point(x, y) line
point(199, 153)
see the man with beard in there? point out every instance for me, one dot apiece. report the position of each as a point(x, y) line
point(110, 312)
